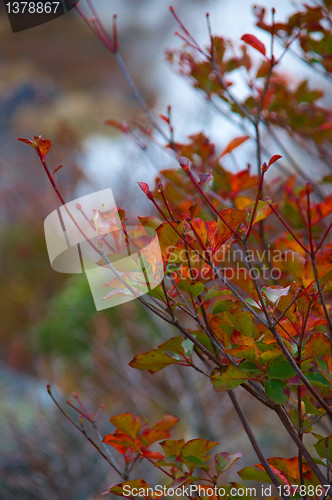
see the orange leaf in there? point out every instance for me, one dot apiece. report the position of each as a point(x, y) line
point(323, 209)
point(56, 169)
point(254, 42)
point(233, 144)
point(317, 346)
point(120, 441)
point(199, 227)
point(152, 454)
point(122, 126)
point(234, 218)
point(43, 146)
point(242, 180)
point(166, 423)
point(289, 468)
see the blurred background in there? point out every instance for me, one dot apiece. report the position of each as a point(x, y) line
point(57, 80)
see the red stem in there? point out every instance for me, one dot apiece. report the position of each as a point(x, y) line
point(309, 222)
point(260, 186)
point(324, 237)
point(198, 187)
point(288, 229)
point(161, 190)
point(186, 31)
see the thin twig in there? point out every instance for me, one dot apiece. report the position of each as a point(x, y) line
point(82, 430)
point(255, 445)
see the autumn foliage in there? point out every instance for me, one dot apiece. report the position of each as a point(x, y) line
point(247, 261)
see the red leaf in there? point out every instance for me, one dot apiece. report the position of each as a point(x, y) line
point(273, 159)
point(254, 42)
point(325, 126)
point(153, 454)
point(27, 141)
point(144, 187)
point(120, 441)
point(234, 143)
point(165, 118)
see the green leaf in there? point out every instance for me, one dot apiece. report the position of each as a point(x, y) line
point(194, 289)
point(188, 347)
point(224, 461)
point(168, 353)
point(153, 361)
point(157, 293)
point(197, 449)
point(326, 179)
point(127, 423)
point(317, 379)
point(202, 339)
point(221, 306)
point(119, 490)
point(324, 448)
point(281, 371)
point(310, 408)
point(172, 447)
point(227, 378)
point(253, 303)
point(240, 320)
point(250, 367)
point(275, 390)
point(150, 221)
point(253, 474)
